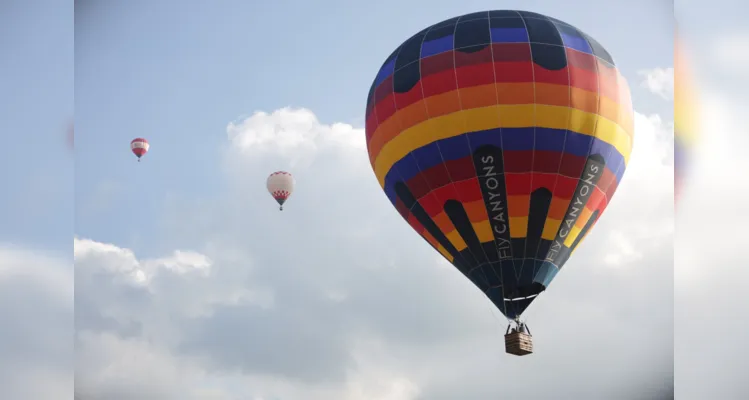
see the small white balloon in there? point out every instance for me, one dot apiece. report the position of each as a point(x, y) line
point(280, 185)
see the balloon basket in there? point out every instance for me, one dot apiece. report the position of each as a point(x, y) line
point(518, 343)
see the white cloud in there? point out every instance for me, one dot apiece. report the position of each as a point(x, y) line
point(715, 166)
point(36, 320)
point(710, 273)
point(659, 81)
point(626, 252)
point(112, 367)
point(294, 134)
point(336, 297)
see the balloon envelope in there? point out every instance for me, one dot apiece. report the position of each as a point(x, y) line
point(280, 185)
point(139, 147)
point(500, 137)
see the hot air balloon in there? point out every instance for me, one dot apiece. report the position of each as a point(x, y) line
point(501, 137)
point(280, 185)
point(139, 147)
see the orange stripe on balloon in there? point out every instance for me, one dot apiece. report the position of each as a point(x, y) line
point(487, 95)
point(518, 206)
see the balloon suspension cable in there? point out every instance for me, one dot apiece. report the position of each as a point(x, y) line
point(520, 326)
point(516, 322)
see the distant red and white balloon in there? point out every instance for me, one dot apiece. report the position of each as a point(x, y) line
point(280, 185)
point(139, 147)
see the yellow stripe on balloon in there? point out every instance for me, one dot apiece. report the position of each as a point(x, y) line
point(510, 116)
point(445, 253)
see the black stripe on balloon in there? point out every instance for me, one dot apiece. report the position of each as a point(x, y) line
point(585, 186)
point(540, 202)
point(586, 228)
point(490, 172)
point(539, 210)
point(408, 199)
point(480, 272)
point(459, 217)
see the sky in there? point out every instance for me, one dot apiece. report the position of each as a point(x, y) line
point(37, 104)
point(190, 285)
point(148, 65)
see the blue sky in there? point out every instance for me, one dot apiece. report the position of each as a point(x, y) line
point(36, 105)
point(177, 74)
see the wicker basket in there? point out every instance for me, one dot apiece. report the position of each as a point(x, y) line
point(518, 343)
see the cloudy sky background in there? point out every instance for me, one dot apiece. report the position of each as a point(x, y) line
point(190, 285)
point(336, 297)
point(711, 316)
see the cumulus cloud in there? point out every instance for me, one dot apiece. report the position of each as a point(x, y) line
point(36, 324)
point(337, 298)
point(660, 81)
point(294, 134)
point(710, 274)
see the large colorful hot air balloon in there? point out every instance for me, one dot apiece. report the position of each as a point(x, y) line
point(280, 185)
point(500, 136)
point(139, 147)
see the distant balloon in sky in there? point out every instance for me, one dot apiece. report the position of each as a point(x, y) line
point(280, 185)
point(500, 137)
point(139, 147)
point(685, 116)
